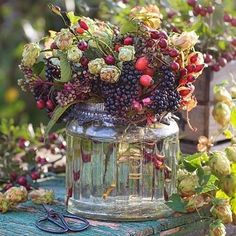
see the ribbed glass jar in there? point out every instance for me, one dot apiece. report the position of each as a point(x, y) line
point(119, 172)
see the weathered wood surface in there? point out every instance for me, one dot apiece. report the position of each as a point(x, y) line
point(22, 221)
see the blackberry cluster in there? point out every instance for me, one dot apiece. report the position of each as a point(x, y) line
point(119, 96)
point(165, 97)
point(52, 71)
point(41, 90)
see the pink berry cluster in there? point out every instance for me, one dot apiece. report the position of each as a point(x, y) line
point(198, 9)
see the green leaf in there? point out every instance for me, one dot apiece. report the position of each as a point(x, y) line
point(228, 134)
point(208, 184)
point(73, 19)
point(233, 117)
point(222, 44)
point(176, 203)
point(193, 162)
point(58, 112)
point(128, 27)
point(221, 195)
point(37, 68)
point(65, 68)
point(233, 204)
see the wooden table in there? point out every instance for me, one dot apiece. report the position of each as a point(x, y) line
point(22, 221)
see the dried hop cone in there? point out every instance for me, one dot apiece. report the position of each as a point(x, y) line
point(194, 202)
point(30, 54)
point(74, 54)
point(217, 229)
point(222, 210)
point(126, 53)
point(42, 196)
point(110, 74)
point(16, 195)
point(187, 185)
point(64, 39)
point(4, 204)
point(219, 163)
point(95, 66)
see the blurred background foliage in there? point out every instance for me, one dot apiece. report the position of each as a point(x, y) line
point(28, 20)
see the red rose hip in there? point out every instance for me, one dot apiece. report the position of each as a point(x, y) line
point(146, 80)
point(40, 104)
point(142, 63)
point(128, 41)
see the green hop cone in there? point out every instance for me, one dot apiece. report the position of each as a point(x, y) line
point(4, 204)
point(16, 195)
point(231, 153)
point(30, 54)
point(219, 163)
point(194, 202)
point(222, 210)
point(126, 53)
point(74, 54)
point(187, 185)
point(64, 39)
point(216, 228)
point(222, 95)
point(110, 74)
point(221, 113)
point(95, 66)
point(228, 184)
point(42, 196)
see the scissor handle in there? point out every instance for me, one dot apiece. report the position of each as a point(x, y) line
point(63, 228)
point(78, 228)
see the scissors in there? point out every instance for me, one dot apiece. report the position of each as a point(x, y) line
point(59, 220)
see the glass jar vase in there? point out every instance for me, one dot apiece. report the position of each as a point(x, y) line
point(116, 171)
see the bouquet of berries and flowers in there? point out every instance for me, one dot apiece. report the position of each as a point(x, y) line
point(140, 72)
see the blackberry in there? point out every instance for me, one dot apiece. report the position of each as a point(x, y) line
point(52, 71)
point(119, 96)
point(41, 90)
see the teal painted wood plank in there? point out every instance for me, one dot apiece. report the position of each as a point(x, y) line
point(22, 220)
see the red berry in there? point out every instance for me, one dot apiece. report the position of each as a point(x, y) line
point(13, 176)
point(210, 9)
point(137, 106)
point(146, 80)
point(110, 60)
point(193, 58)
point(84, 61)
point(208, 58)
point(117, 47)
point(192, 3)
point(154, 35)
point(142, 63)
point(190, 78)
point(53, 137)
point(173, 53)
point(146, 101)
point(22, 143)
point(203, 11)
point(183, 72)
point(227, 17)
point(174, 66)
point(222, 61)
point(197, 8)
point(149, 71)
point(191, 68)
point(233, 42)
point(184, 92)
point(83, 25)
point(50, 105)
point(53, 46)
point(233, 22)
point(128, 41)
point(199, 68)
point(82, 45)
point(22, 181)
point(163, 34)
point(79, 30)
point(216, 67)
point(183, 81)
point(171, 14)
point(40, 104)
point(150, 43)
point(35, 175)
point(163, 43)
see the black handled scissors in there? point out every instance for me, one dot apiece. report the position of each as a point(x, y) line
point(59, 220)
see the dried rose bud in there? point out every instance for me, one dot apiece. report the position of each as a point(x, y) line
point(30, 54)
point(74, 54)
point(221, 113)
point(42, 196)
point(64, 39)
point(228, 184)
point(16, 194)
point(219, 163)
point(222, 210)
point(217, 229)
point(126, 53)
point(187, 185)
point(4, 204)
point(231, 153)
point(194, 202)
point(95, 66)
point(110, 74)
